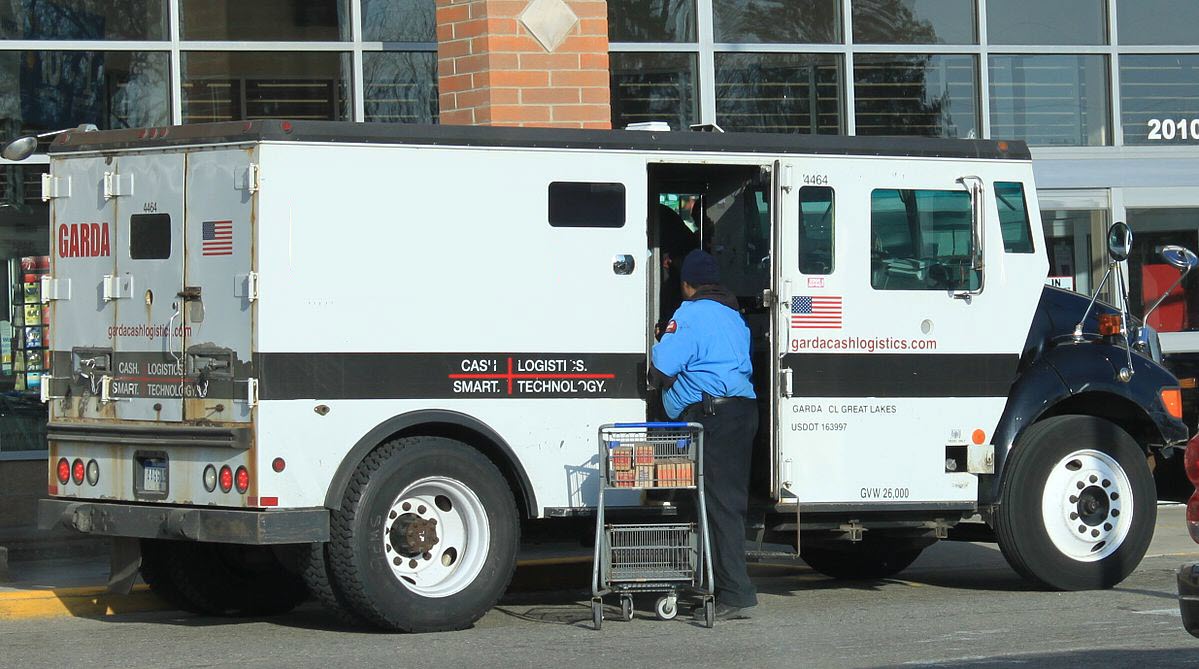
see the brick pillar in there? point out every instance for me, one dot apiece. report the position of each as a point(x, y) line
point(523, 63)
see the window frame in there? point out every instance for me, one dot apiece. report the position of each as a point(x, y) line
point(1027, 221)
point(974, 277)
point(831, 214)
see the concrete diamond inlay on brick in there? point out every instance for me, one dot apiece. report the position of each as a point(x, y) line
point(549, 21)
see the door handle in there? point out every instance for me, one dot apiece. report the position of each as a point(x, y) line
point(623, 264)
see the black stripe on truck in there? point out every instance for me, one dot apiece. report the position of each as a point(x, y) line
point(901, 374)
point(287, 376)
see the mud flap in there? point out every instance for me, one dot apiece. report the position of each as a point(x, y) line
point(125, 561)
point(1188, 597)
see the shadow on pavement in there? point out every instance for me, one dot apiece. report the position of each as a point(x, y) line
point(1083, 659)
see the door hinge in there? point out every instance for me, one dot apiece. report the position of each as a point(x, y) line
point(117, 287)
point(53, 187)
point(252, 286)
point(785, 379)
point(55, 289)
point(117, 185)
point(250, 179)
point(252, 392)
point(786, 180)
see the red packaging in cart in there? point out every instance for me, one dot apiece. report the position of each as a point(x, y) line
point(643, 454)
point(622, 458)
point(626, 479)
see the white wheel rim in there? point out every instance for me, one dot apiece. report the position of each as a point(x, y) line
point(1087, 505)
point(436, 536)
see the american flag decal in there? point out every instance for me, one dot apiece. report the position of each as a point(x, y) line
point(217, 239)
point(816, 312)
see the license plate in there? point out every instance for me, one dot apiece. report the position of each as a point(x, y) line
point(154, 477)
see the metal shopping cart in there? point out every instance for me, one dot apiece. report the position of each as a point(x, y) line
point(671, 558)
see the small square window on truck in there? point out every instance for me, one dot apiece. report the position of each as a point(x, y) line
point(816, 230)
point(1013, 217)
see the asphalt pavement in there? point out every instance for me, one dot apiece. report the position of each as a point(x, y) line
point(958, 605)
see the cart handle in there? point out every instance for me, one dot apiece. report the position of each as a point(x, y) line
point(674, 426)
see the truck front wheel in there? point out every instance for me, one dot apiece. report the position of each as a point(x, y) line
point(1077, 505)
point(426, 536)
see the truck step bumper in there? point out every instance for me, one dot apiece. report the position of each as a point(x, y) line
point(283, 526)
point(1188, 597)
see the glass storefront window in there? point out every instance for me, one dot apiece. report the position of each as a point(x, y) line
point(652, 21)
point(777, 22)
point(1156, 21)
point(51, 90)
point(227, 86)
point(653, 87)
point(1149, 276)
point(791, 92)
point(400, 86)
point(1050, 23)
point(902, 94)
point(1050, 100)
point(1159, 99)
point(264, 20)
point(914, 22)
point(84, 19)
point(399, 21)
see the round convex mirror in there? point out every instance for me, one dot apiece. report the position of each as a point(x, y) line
point(1179, 256)
point(1119, 241)
point(19, 149)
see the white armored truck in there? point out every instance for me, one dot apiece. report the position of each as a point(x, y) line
point(356, 360)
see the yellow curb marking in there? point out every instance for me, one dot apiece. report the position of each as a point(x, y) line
point(79, 602)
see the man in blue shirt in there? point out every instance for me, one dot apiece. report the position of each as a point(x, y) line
point(702, 364)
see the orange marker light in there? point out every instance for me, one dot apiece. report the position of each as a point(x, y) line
point(1188, 383)
point(1109, 324)
point(979, 437)
point(1172, 401)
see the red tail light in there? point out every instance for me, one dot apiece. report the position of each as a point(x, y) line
point(77, 472)
point(243, 480)
point(1190, 460)
point(64, 471)
point(226, 479)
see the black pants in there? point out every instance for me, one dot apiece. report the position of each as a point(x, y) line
point(728, 447)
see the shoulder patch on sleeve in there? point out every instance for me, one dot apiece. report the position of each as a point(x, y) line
point(670, 327)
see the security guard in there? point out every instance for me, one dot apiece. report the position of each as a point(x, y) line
point(702, 364)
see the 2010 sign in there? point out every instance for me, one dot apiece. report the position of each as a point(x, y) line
point(83, 240)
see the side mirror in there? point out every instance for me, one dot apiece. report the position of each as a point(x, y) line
point(1180, 257)
point(20, 148)
point(1119, 241)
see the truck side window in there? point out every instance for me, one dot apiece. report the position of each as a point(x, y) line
point(921, 240)
point(1013, 217)
point(586, 204)
point(816, 230)
point(150, 236)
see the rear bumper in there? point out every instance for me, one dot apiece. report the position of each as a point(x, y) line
point(1188, 597)
point(283, 526)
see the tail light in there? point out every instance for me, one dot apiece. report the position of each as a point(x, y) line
point(64, 471)
point(226, 479)
point(93, 472)
point(242, 480)
point(210, 478)
point(77, 471)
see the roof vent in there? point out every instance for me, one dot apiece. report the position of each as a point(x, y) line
point(653, 126)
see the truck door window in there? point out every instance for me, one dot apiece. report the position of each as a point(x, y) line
point(816, 230)
point(586, 205)
point(150, 236)
point(1013, 217)
point(921, 240)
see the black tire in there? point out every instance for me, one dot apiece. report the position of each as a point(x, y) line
point(224, 579)
point(1021, 527)
point(155, 571)
point(315, 572)
point(358, 560)
point(869, 559)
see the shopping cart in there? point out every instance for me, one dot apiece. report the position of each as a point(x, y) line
point(669, 558)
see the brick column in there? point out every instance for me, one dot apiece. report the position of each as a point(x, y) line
point(523, 63)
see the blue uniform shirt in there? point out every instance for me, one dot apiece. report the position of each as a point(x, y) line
point(708, 351)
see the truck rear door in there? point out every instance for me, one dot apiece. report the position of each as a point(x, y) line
point(219, 287)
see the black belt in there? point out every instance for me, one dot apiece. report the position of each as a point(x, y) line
point(709, 404)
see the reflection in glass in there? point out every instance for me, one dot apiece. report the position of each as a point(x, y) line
point(226, 86)
point(1042, 22)
point(400, 86)
point(265, 20)
point(1157, 21)
point(902, 94)
point(399, 21)
point(1149, 275)
point(1068, 242)
point(84, 19)
point(790, 92)
point(51, 90)
point(651, 20)
point(653, 87)
point(1050, 100)
point(914, 22)
point(777, 21)
point(1159, 95)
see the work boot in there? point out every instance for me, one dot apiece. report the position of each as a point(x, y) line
point(724, 612)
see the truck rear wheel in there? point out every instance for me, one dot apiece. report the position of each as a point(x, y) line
point(864, 560)
point(1077, 505)
point(426, 536)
